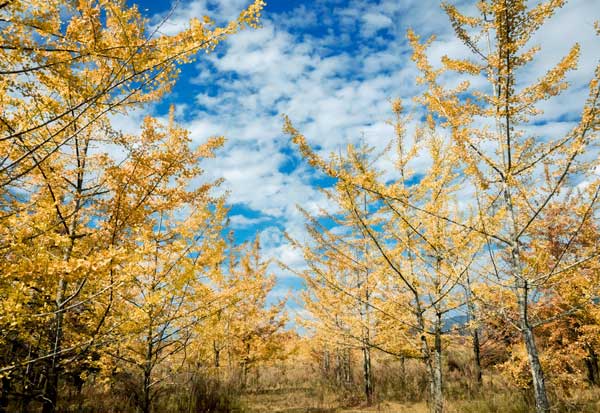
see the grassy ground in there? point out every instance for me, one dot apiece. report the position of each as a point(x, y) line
point(306, 400)
point(310, 400)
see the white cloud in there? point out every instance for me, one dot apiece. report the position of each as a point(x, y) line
point(241, 221)
point(373, 22)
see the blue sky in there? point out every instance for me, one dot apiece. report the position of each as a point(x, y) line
point(332, 66)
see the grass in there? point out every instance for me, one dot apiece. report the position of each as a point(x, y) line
point(323, 400)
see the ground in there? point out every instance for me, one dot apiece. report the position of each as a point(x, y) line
point(306, 400)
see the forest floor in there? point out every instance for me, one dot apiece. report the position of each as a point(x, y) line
point(307, 400)
point(318, 400)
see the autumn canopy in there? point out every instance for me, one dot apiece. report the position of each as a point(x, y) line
point(450, 263)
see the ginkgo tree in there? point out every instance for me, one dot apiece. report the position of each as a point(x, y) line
point(255, 328)
point(67, 207)
point(112, 202)
point(422, 259)
point(340, 284)
point(248, 330)
point(171, 258)
point(66, 65)
point(510, 176)
point(517, 173)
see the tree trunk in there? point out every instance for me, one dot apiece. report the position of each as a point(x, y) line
point(146, 395)
point(477, 358)
point(542, 405)
point(326, 364)
point(368, 374)
point(403, 372)
point(217, 351)
point(591, 363)
point(347, 367)
point(477, 371)
point(437, 402)
point(50, 397)
point(245, 367)
point(433, 361)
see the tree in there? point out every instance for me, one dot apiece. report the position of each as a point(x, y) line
point(518, 175)
point(424, 258)
point(65, 67)
point(172, 256)
point(341, 281)
point(68, 64)
point(255, 328)
point(250, 330)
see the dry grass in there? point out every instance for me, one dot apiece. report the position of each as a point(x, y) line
point(325, 400)
point(293, 400)
point(299, 386)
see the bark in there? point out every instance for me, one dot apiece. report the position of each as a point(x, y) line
point(433, 361)
point(326, 364)
point(592, 366)
point(146, 396)
point(478, 375)
point(477, 371)
point(347, 367)
point(217, 351)
point(245, 368)
point(368, 374)
point(339, 368)
point(542, 404)
point(50, 396)
point(403, 370)
point(436, 389)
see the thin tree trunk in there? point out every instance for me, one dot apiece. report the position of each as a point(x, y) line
point(403, 371)
point(347, 367)
point(477, 358)
point(50, 397)
point(477, 371)
point(591, 363)
point(6, 385)
point(146, 396)
point(326, 363)
point(339, 368)
point(146, 401)
point(245, 367)
point(433, 362)
point(368, 374)
point(542, 404)
point(436, 389)
point(217, 351)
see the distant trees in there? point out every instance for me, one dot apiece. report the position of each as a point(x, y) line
point(417, 262)
point(342, 284)
point(248, 332)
